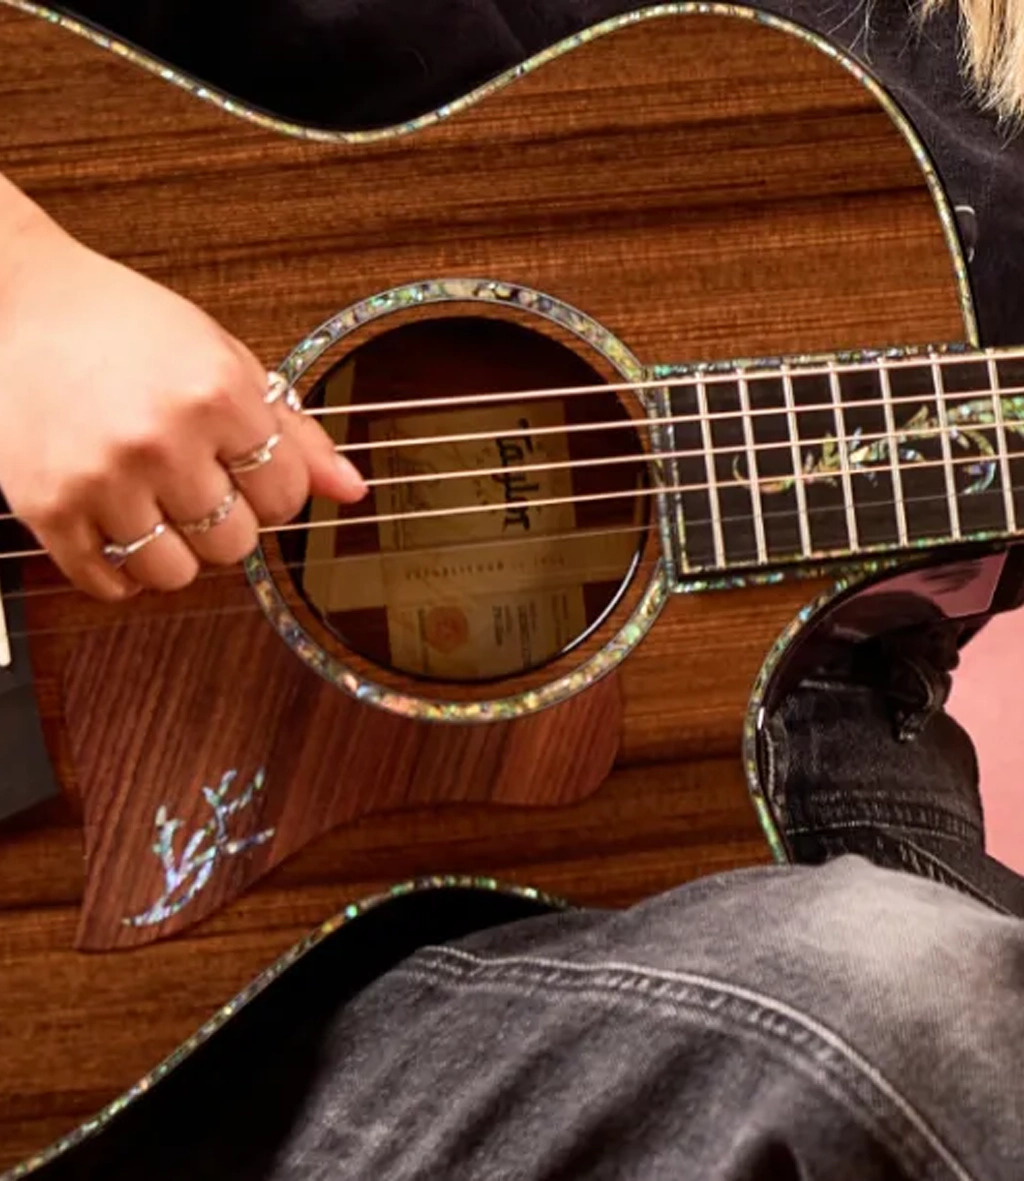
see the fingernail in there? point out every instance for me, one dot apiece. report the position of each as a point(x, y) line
point(355, 485)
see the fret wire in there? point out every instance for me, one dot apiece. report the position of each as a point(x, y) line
point(894, 461)
point(1004, 454)
point(760, 537)
point(803, 521)
point(717, 533)
point(947, 452)
point(844, 458)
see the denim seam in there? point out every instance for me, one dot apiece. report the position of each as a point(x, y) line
point(796, 1049)
point(867, 824)
point(947, 875)
point(752, 1011)
point(907, 818)
point(918, 862)
point(841, 802)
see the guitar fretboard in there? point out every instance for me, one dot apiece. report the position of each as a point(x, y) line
point(784, 462)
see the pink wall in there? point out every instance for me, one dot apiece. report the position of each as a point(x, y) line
point(988, 702)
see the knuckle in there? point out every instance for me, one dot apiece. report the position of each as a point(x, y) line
point(297, 501)
point(280, 496)
point(147, 447)
point(212, 394)
point(51, 509)
point(272, 514)
point(283, 508)
point(214, 401)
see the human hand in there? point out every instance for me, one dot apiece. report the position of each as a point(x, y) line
point(123, 408)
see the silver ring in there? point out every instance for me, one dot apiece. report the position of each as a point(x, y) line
point(255, 458)
point(205, 524)
point(279, 390)
point(117, 554)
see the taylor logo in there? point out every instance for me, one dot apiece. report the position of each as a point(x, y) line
point(513, 450)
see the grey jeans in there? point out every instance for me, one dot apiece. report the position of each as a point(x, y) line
point(833, 1021)
point(836, 1022)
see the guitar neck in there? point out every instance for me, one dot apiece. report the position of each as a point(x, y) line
point(790, 461)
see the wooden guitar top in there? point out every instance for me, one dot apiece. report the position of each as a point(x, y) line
point(704, 186)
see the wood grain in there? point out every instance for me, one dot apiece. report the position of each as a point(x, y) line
point(258, 710)
point(766, 205)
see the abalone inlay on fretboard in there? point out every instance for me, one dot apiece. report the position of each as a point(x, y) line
point(775, 462)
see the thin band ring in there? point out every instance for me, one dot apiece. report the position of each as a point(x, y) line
point(117, 554)
point(255, 458)
point(212, 519)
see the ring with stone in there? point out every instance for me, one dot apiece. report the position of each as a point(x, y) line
point(117, 554)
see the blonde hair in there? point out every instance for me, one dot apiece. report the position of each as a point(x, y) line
point(993, 36)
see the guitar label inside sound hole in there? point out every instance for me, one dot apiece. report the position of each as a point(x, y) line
point(420, 584)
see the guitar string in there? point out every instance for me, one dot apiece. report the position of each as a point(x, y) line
point(748, 566)
point(645, 458)
point(207, 575)
point(765, 373)
point(583, 498)
point(681, 419)
point(773, 515)
point(860, 438)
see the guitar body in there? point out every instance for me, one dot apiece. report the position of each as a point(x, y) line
point(699, 186)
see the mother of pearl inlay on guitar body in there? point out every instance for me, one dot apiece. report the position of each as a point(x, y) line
point(644, 348)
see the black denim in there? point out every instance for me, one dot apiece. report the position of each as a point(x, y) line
point(358, 63)
point(864, 759)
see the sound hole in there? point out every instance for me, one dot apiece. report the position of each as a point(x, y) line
point(509, 586)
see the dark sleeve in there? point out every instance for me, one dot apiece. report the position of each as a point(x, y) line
point(363, 63)
point(344, 63)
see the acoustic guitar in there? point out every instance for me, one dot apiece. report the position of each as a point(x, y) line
point(659, 356)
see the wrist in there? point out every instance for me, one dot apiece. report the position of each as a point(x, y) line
point(26, 231)
point(22, 222)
